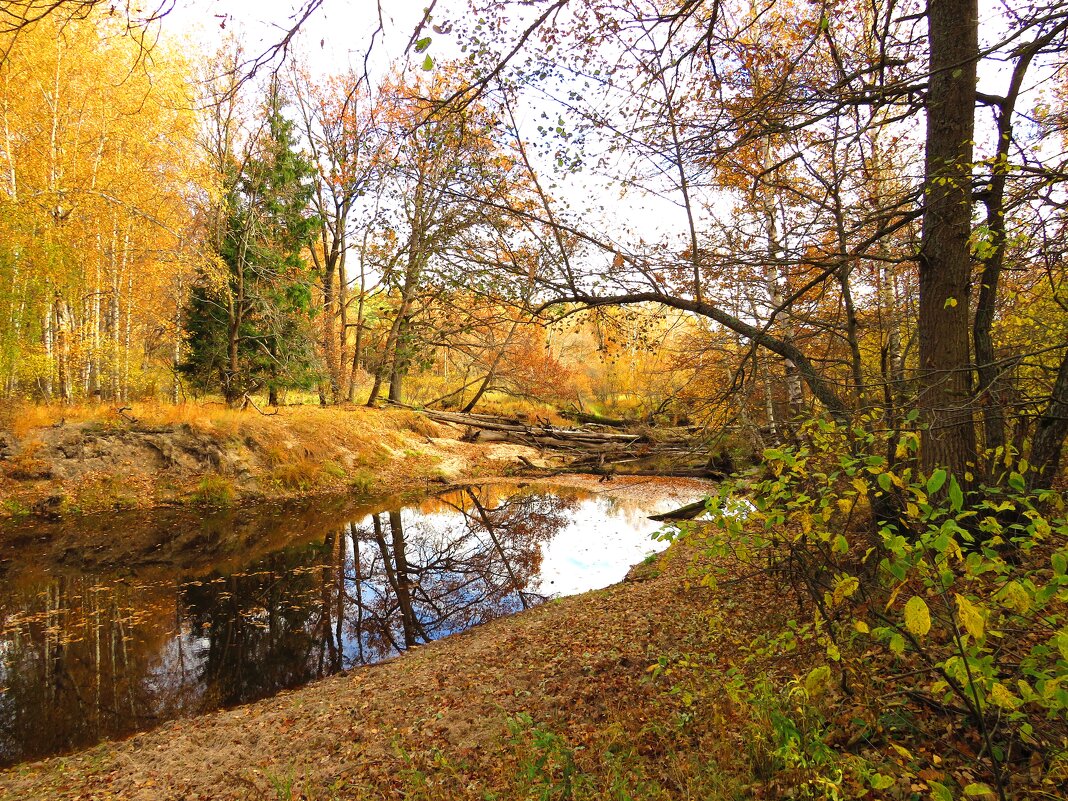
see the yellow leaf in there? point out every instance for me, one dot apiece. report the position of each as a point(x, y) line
point(971, 617)
point(845, 587)
point(901, 750)
point(893, 596)
point(861, 627)
point(917, 616)
point(1013, 596)
point(1001, 696)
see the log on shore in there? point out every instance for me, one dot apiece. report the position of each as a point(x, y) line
point(671, 452)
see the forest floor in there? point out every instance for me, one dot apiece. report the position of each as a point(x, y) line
point(55, 462)
point(617, 693)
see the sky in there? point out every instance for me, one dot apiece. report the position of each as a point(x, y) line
point(334, 37)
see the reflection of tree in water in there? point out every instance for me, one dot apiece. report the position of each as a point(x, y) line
point(87, 656)
point(259, 631)
point(71, 670)
point(368, 591)
point(411, 581)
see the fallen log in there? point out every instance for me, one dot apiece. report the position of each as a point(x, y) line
point(687, 512)
point(565, 435)
point(671, 452)
point(594, 419)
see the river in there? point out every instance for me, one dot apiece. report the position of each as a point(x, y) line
point(113, 624)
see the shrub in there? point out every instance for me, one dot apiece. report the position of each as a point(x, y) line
point(949, 602)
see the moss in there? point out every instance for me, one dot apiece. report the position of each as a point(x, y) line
point(362, 482)
point(333, 469)
point(15, 509)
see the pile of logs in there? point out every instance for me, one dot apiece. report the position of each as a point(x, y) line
point(599, 449)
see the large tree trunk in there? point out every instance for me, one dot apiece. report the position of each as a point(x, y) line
point(945, 392)
point(399, 363)
point(330, 343)
point(1047, 446)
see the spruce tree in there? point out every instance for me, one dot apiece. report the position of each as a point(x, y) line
point(248, 330)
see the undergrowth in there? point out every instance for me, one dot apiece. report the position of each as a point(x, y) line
point(936, 630)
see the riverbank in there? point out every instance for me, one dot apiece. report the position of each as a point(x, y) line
point(585, 697)
point(60, 462)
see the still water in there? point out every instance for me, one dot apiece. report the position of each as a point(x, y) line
point(114, 625)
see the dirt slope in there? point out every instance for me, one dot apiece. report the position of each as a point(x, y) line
point(222, 457)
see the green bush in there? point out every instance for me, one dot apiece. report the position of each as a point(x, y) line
point(214, 490)
point(935, 591)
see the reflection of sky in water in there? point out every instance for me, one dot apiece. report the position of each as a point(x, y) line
point(89, 654)
point(597, 547)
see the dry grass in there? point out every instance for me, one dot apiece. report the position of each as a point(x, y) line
point(298, 450)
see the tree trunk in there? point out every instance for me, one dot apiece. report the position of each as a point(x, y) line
point(330, 343)
point(1047, 447)
point(944, 260)
point(399, 365)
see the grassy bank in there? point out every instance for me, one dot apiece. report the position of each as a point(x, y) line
point(56, 461)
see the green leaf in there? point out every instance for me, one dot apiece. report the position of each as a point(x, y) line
point(1060, 563)
point(428, 64)
point(422, 44)
point(817, 679)
point(939, 792)
point(956, 495)
point(917, 616)
point(897, 644)
point(979, 789)
point(880, 782)
point(935, 482)
point(885, 482)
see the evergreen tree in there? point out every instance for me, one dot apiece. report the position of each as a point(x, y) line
point(249, 329)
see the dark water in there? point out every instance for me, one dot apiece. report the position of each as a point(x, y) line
point(114, 625)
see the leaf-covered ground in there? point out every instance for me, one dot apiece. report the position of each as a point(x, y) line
point(580, 697)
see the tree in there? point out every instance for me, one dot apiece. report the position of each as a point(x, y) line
point(340, 124)
point(99, 232)
point(784, 106)
point(247, 322)
point(444, 180)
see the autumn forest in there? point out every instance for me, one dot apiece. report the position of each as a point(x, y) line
point(179, 230)
point(824, 243)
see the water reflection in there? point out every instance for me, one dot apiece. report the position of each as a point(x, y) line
point(90, 652)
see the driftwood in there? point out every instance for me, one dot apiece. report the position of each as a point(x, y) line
point(687, 512)
point(640, 451)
